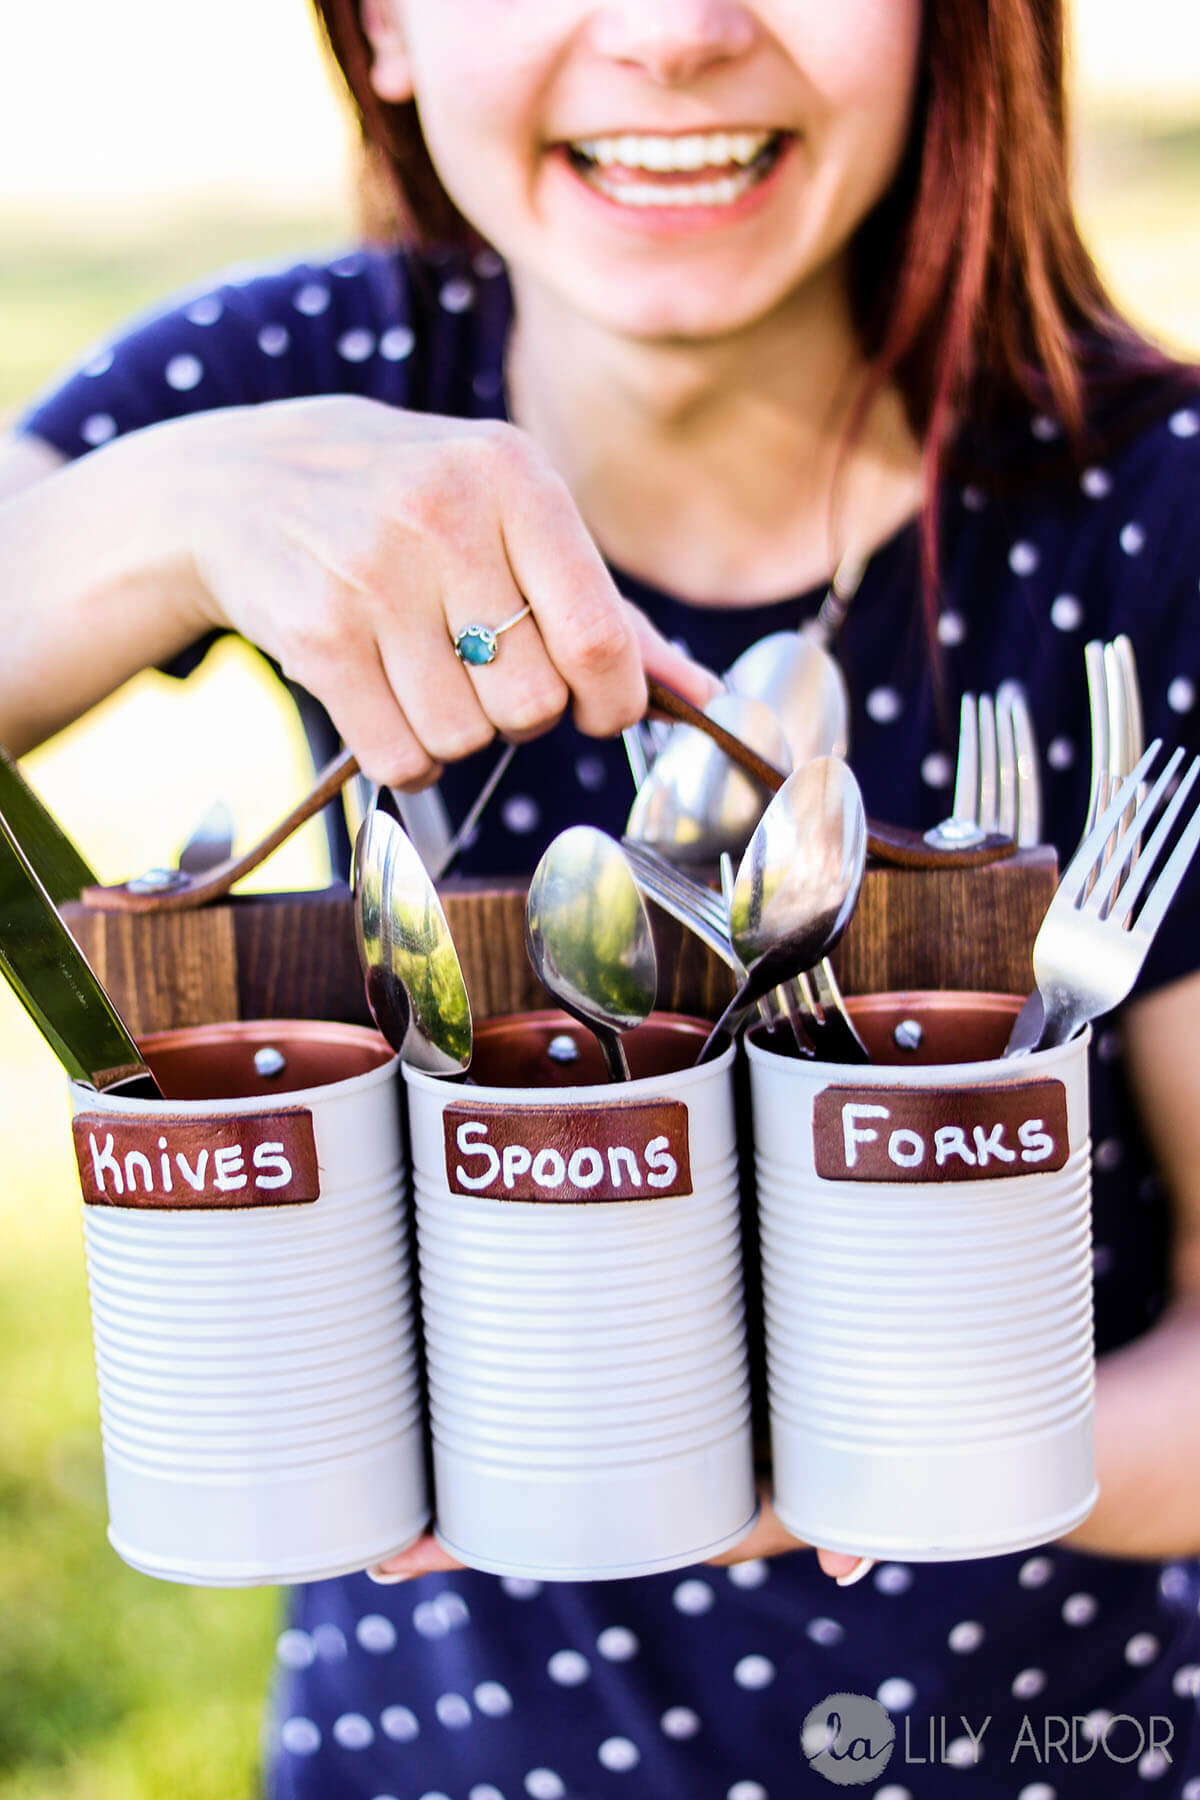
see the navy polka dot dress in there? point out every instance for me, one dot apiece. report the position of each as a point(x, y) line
point(694, 1685)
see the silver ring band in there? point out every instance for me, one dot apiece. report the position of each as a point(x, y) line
point(476, 645)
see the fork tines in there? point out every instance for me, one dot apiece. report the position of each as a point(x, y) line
point(1106, 858)
point(1150, 913)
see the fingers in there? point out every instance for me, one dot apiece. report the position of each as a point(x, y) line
point(586, 627)
point(672, 665)
point(425, 1557)
point(520, 692)
point(432, 687)
point(844, 1569)
point(475, 527)
point(456, 707)
point(358, 696)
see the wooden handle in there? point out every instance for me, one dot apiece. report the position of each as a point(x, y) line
point(893, 844)
point(666, 700)
point(886, 843)
point(194, 890)
point(905, 849)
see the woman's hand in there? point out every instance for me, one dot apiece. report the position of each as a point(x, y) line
point(769, 1538)
point(350, 541)
point(353, 542)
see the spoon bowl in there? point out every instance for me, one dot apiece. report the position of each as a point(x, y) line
point(797, 884)
point(796, 677)
point(589, 940)
point(696, 803)
point(414, 980)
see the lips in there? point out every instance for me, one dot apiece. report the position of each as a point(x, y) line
point(643, 170)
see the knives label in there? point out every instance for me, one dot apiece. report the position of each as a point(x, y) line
point(559, 1153)
point(940, 1134)
point(209, 1163)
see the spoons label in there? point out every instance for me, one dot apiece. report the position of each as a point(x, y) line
point(165, 1164)
point(940, 1134)
point(632, 1152)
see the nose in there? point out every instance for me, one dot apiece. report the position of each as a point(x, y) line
point(673, 41)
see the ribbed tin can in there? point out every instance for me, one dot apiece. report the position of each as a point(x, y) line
point(926, 1247)
point(581, 1290)
point(257, 1364)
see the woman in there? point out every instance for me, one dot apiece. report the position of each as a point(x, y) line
point(716, 294)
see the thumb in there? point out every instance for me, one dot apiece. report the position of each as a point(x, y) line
point(670, 664)
point(843, 1569)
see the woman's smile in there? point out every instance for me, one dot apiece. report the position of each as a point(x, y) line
point(665, 169)
point(658, 182)
point(676, 181)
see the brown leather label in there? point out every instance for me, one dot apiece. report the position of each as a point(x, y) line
point(631, 1152)
point(940, 1134)
point(197, 1163)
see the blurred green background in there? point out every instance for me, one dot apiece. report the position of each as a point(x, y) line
point(113, 1686)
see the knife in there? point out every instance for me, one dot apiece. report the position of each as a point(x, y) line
point(57, 986)
point(60, 868)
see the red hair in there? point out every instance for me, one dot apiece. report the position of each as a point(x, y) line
point(972, 290)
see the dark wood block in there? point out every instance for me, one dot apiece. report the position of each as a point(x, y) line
point(293, 955)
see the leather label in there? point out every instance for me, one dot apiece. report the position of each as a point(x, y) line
point(940, 1134)
point(637, 1151)
point(196, 1163)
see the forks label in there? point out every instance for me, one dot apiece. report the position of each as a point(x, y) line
point(933, 1134)
point(637, 1152)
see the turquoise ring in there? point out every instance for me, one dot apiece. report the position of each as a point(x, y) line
point(476, 644)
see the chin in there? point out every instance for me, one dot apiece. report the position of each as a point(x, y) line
point(680, 315)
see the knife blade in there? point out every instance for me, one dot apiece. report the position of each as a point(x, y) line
point(58, 987)
point(59, 867)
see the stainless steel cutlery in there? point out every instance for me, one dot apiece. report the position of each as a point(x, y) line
point(1098, 928)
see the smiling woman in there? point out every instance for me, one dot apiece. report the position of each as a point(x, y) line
point(633, 141)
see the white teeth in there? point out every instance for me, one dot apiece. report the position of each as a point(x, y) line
point(722, 192)
point(663, 155)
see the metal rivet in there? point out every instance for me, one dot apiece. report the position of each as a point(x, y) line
point(268, 1061)
point(955, 834)
point(908, 1034)
point(562, 1049)
point(155, 881)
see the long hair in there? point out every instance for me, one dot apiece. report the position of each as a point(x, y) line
point(972, 290)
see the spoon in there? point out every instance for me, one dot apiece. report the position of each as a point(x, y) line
point(415, 986)
point(695, 803)
point(803, 686)
point(797, 884)
point(588, 935)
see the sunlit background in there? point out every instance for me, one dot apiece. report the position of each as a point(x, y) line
point(142, 146)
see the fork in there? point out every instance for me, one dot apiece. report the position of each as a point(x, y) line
point(1114, 701)
point(813, 999)
point(683, 898)
point(1115, 708)
point(1100, 924)
point(996, 783)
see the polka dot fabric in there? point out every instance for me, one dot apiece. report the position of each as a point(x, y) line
point(348, 326)
point(694, 1685)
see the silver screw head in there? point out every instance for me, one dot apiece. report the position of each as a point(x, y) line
point(955, 834)
point(269, 1062)
point(908, 1034)
point(155, 881)
point(563, 1048)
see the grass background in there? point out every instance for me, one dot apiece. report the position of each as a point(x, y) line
point(112, 1686)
